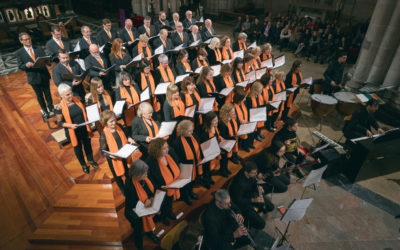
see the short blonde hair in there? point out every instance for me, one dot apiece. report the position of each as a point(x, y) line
point(144, 107)
point(266, 47)
point(143, 38)
point(224, 112)
point(62, 88)
point(242, 35)
point(171, 89)
point(183, 126)
point(255, 87)
point(214, 43)
point(279, 74)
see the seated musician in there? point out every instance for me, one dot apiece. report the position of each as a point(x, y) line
point(221, 228)
point(164, 170)
point(173, 108)
point(138, 187)
point(268, 161)
point(334, 75)
point(362, 121)
point(248, 196)
point(112, 139)
point(214, 52)
point(187, 147)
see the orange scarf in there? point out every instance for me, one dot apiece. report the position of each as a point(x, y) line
point(248, 68)
point(187, 66)
point(155, 126)
point(268, 98)
point(129, 113)
point(242, 45)
point(266, 56)
point(167, 76)
point(240, 75)
point(67, 117)
point(257, 62)
point(210, 86)
point(148, 223)
point(179, 110)
point(218, 57)
point(279, 87)
point(199, 64)
point(225, 54)
point(214, 162)
point(257, 102)
point(190, 154)
point(290, 100)
point(144, 85)
point(113, 146)
point(242, 114)
point(188, 98)
point(169, 176)
point(233, 129)
point(140, 50)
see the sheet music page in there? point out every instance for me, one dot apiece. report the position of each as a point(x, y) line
point(281, 96)
point(227, 61)
point(201, 20)
point(180, 78)
point(189, 111)
point(206, 105)
point(118, 107)
point(275, 104)
point(184, 178)
point(158, 199)
point(362, 97)
point(198, 70)
point(210, 148)
point(137, 58)
point(145, 95)
point(267, 63)
point(280, 61)
point(314, 176)
point(307, 81)
point(251, 76)
point(208, 41)
point(159, 50)
point(247, 128)
point(217, 69)
point(177, 48)
point(253, 45)
point(226, 91)
point(242, 84)
point(166, 129)
point(258, 114)
point(297, 210)
point(227, 145)
point(239, 53)
point(195, 43)
point(292, 89)
point(92, 113)
point(141, 210)
point(260, 73)
point(161, 88)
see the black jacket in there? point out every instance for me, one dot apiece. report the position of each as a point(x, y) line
point(334, 72)
point(103, 38)
point(52, 47)
point(153, 31)
point(124, 35)
point(360, 121)
point(36, 76)
point(176, 39)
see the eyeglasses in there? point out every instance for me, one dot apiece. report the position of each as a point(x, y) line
point(26, 39)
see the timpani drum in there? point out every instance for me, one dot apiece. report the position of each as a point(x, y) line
point(347, 103)
point(322, 105)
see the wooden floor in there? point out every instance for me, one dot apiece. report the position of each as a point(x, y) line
point(47, 201)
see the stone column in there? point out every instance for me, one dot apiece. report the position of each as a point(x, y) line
point(380, 19)
point(393, 79)
point(387, 50)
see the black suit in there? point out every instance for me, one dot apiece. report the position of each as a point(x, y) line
point(205, 34)
point(191, 38)
point(135, 51)
point(58, 77)
point(38, 78)
point(153, 31)
point(172, 24)
point(103, 38)
point(176, 39)
point(140, 132)
point(90, 62)
point(84, 46)
point(187, 24)
point(158, 42)
point(159, 24)
point(52, 47)
point(124, 35)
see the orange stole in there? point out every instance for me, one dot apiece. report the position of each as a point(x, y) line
point(143, 84)
point(109, 100)
point(190, 155)
point(169, 176)
point(268, 98)
point(218, 56)
point(129, 113)
point(148, 52)
point(188, 98)
point(229, 83)
point(187, 66)
point(266, 56)
point(155, 126)
point(113, 146)
point(167, 76)
point(233, 129)
point(225, 54)
point(242, 114)
point(257, 102)
point(179, 110)
point(210, 87)
point(279, 87)
point(67, 117)
point(240, 75)
point(242, 45)
point(204, 64)
point(213, 163)
point(290, 100)
point(148, 223)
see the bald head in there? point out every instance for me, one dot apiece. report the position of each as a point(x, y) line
point(188, 14)
point(208, 23)
point(175, 16)
point(94, 50)
point(194, 29)
point(163, 34)
point(128, 24)
point(179, 27)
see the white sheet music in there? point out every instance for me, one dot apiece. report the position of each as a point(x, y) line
point(267, 63)
point(260, 73)
point(275, 104)
point(253, 45)
point(242, 84)
point(141, 210)
point(251, 76)
point(258, 114)
point(189, 111)
point(297, 210)
point(123, 152)
point(217, 69)
point(145, 95)
point(180, 78)
point(208, 41)
point(227, 61)
point(226, 91)
point(280, 61)
point(198, 70)
point(161, 88)
point(102, 48)
point(201, 20)
point(210, 150)
point(283, 247)
point(137, 58)
point(118, 107)
point(292, 89)
point(166, 129)
point(362, 97)
point(281, 96)
point(227, 145)
point(193, 44)
point(177, 48)
point(206, 105)
point(77, 47)
point(185, 176)
point(81, 63)
point(159, 50)
point(314, 176)
point(307, 81)
point(246, 128)
point(92, 113)
point(239, 53)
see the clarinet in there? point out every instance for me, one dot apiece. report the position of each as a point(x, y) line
point(233, 214)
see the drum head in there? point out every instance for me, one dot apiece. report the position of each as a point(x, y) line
point(344, 96)
point(325, 99)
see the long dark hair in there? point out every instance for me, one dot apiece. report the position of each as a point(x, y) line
point(208, 117)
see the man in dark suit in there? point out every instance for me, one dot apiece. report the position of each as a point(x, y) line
point(208, 32)
point(163, 40)
point(128, 34)
point(65, 67)
point(56, 43)
point(147, 28)
point(194, 36)
point(38, 78)
point(179, 36)
point(162, 21)
point(175, 20)
point(98, 61)
point(85, 42)
point(106, 35)
point(189, 21)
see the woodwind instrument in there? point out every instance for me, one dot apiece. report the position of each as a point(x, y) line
point(234, 215)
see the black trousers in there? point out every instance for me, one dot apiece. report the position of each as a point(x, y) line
point(252, 218)
point(277, 184)
point(83, 142)
point(42, 92)
point(118, 179)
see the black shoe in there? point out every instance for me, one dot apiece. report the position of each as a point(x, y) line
point(223, 173)
point(194, 196)
point(94, 164)
point(85, 169)
point(258, 138)
point(52, 111)
point(236, 156)
point(44, 113)
point(234, 160)
point(271, 129)
point(261, 136)
point(246, 148)
point(171, 216)
point(154, 238)
point(251, 146)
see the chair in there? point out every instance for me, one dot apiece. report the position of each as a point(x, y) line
point(172, 237)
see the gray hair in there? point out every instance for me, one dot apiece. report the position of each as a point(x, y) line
point(214, 42)
point(138, 169)
point(144, 107)
point(242, 35)
point(62, 88)
point(221, 195)
point(83, 27)
point(20, 35)
point(162, 58)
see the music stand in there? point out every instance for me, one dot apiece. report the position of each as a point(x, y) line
point(313, 178)
point(295, 212)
